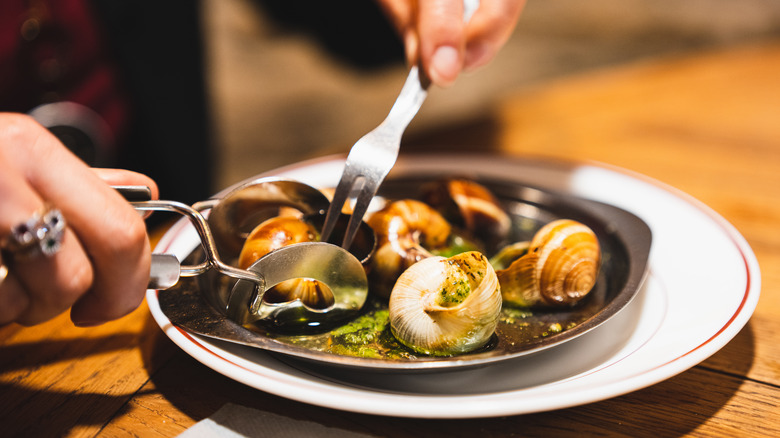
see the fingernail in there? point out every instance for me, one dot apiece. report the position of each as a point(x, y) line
point(445, 66)
point(477, 55)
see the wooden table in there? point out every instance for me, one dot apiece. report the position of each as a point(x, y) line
point(705, 124)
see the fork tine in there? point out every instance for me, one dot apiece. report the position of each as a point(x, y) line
point(339, 198)
point(371, 159)
point(364, 198)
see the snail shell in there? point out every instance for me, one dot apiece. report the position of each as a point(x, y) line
point(406, 230)
point(312, 293)
point(446, 306)
point(275, 233)
point(472, 206)
point(560, 267)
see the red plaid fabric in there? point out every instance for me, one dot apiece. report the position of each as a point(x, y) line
point(52, 50)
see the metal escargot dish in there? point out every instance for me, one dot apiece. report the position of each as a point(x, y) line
point(461, 272)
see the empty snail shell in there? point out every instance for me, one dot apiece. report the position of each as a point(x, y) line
point(275, 233)
point(470, 205)
point(406, 232)
point(560, 266)
point(446, 306)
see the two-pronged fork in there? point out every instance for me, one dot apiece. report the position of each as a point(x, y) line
point(372, 157)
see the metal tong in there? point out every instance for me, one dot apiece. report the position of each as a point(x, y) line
point(341, 271)
point(166, 269)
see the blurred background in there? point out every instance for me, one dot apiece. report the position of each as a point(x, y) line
point(289, 82)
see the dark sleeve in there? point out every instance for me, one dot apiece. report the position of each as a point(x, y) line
point(158, 46)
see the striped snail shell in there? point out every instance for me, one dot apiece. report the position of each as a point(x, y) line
point(471, 206)
point(560, 267)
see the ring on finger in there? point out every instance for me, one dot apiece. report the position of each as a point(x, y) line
point(41, 234)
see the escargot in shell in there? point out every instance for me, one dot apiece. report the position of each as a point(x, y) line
point(446, 306)
point(471, 206)
point(275, 233)
point(407, 230)
point(558, 267)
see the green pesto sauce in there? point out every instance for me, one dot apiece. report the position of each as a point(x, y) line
point(553, 329)
point(368, 336)
point(511, 315)
point(453, 292)
point(455, 245)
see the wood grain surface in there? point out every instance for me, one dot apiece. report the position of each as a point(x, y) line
point(705, 124)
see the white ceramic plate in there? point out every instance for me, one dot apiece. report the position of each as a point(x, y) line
point(683, 315)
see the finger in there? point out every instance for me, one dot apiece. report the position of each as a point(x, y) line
point(87, 311)
point(489, 29)
point(53, 284)
point(121, 177)
point(114, 237)
point(112, 234)
point(442, 43)
point(13, 299)
point(50, 284)
point(403, 16)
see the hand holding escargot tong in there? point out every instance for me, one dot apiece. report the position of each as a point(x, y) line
point(96, 263)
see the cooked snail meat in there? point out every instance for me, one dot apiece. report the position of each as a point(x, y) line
point(406, 231)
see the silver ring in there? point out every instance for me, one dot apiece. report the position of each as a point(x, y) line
point(40, 235)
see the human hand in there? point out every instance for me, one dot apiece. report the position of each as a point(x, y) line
point(102, 267)
point(434, 33)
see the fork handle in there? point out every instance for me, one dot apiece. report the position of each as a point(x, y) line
point(409, 101)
